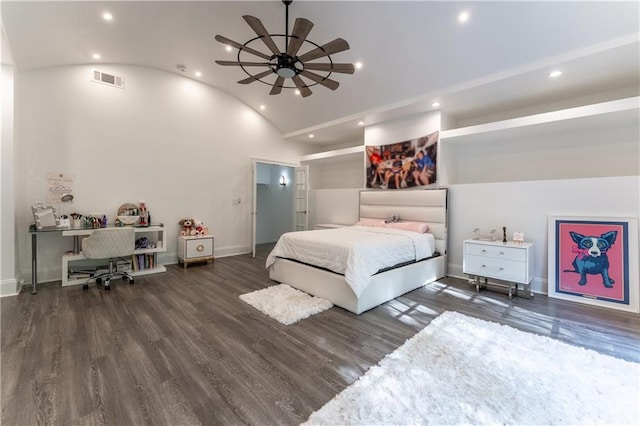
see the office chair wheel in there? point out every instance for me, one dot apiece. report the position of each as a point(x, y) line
point(131, 281)
point(107, 285)
point(98, 281)
point(85, 287)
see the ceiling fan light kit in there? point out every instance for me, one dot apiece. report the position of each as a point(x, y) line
point(286, 64)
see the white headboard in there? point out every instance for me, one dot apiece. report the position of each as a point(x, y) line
point(419, 205)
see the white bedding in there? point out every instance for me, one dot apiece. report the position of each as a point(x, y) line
point(357, 252)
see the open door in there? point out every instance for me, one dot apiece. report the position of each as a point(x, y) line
point(302, 198)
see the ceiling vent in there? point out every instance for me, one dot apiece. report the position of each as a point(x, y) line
point(108, 79)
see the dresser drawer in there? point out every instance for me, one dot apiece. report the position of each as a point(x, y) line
point(495, 251)
point(501, 269)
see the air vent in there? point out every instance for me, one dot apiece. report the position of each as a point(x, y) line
point(109, 79)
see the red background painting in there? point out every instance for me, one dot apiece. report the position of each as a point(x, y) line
point(568, 281)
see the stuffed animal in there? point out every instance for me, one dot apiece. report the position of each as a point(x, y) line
point(199, 227)
point(187, 227)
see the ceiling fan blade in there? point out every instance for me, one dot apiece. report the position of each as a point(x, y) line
point(304, 90)
point(244, 64)
point(342, 68)
point(258, 28)
point(301, 30)
point(255, 77)
point(224, 40)
point(277, 86)
point(326, 82)
point(335, 46)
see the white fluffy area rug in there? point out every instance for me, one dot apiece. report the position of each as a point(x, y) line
point(285, 303)
point(462, 370)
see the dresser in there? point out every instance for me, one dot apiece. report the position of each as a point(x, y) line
point(511, 263)
point(195, 249)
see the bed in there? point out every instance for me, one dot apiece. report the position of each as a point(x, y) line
point(386, 282)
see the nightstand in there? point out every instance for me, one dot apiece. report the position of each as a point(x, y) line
point(195, 249)
point(508, 262)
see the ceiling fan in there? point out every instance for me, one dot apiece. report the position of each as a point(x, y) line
point(287, 63)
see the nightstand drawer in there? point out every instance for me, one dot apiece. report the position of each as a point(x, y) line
point(200, 247)
point(495, 251)
point(502, 269)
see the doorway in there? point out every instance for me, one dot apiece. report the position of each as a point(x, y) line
point(274, 202)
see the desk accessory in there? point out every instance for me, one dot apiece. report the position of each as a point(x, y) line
point(44, 216)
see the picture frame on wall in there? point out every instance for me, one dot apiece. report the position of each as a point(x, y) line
point(594, 260)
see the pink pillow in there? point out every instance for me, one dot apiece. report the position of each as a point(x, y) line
point(370, 222)
point(420, 227)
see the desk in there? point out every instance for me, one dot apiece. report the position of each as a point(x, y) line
point(77, 255)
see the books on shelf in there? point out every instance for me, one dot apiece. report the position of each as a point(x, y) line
point(141, 262)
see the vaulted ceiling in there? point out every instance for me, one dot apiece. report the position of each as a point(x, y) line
point(412, 53)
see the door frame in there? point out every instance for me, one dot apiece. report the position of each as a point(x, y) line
point(254, 193)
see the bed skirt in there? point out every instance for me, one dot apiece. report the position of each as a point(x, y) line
point(383, 287)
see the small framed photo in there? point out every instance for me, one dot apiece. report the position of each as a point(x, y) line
point(594, 260)
point(518, 237)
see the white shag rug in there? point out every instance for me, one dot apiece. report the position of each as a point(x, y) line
point(285, 303)
point(462, 370)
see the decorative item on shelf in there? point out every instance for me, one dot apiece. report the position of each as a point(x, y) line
point(283, 180)
point(518, 237)
point(65, 221)
point(144, 214)
point(504, 235)
point(128, 214)
point(491, 236)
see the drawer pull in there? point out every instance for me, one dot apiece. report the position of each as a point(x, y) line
point(484, 266)
point(484, 251)
point(200, 247)
point(501, 269)
point(501, 252)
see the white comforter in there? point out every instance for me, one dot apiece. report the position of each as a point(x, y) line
point(357, 252)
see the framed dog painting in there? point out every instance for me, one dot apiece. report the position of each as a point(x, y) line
point(594, 260)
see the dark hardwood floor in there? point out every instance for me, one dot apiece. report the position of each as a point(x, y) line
point(180, 348)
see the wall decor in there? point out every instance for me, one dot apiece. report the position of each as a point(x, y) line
point(594, 260)
point(402, 165)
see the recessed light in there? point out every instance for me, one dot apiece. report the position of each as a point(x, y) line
point(435, 104)
point(228, 48)
point(556, 73)
point(358, 65)
point(96, 56)
point(198, 74)
point(107, 16)
point(297, 92)
point(311, 136)
point(463, 17)
point(360, 123)
point(262, 107)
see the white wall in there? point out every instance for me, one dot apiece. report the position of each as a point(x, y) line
point(274, 203)
point(525, 207)
point(522, 204)
point(182, 146)
point(8, 283)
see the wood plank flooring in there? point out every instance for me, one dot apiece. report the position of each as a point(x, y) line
point(180, 348)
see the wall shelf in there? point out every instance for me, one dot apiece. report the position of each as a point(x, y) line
point(333, 154)
point(612, 113)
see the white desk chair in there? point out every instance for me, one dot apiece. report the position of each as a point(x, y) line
point(109, 243)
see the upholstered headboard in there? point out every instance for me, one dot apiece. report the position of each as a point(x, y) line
point(419, 205)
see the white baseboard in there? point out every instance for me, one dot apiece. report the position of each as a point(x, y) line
point(9, 287)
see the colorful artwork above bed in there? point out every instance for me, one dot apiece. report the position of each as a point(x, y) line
point(402, 165)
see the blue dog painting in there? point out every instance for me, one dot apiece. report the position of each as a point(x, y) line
point(591, 257)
